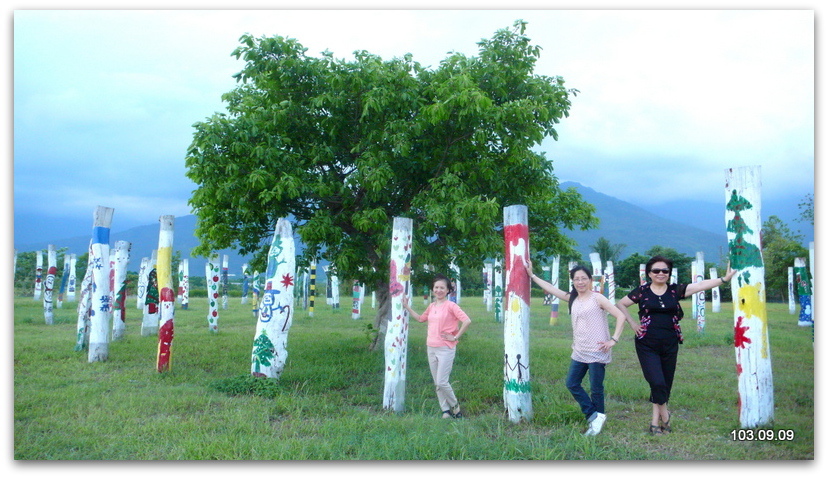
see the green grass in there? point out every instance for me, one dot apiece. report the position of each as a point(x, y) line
point(328, 403)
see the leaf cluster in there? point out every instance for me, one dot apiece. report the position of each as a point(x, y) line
point(344, 146)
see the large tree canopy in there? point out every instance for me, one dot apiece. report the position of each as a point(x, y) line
point(345, 146)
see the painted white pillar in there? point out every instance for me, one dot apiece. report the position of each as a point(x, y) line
point(166, 292)
point(791, 301)
point(517, 390)
point(457, 295)
point(212, 273)
point(699, 297)
point(609, 276)
point(396, 335)
point(149, 323)
point(49, 285)
point(356, 307)
point(71, 289)
point(225, 281)
point(101, 297)
point(597, 276)
point(85, 306)
point(119, 262)
point(642, 274)
point(804, 291)
point(714, 292)
point(556, 274)
point(498, 290)
point(751, 339)
point(38, 285)
point(488, 270)
point(141, 289)
point(184, 284)
point(276, 310)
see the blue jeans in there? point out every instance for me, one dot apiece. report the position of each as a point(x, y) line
point(577, 371)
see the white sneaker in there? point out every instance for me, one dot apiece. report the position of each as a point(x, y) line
point(596, 424)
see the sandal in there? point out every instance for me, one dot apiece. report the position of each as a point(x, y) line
point(458, 413)
point(656, 430)
point(666, 428)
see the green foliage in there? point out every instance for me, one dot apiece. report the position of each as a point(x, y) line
point(780, 246)
point(607, 250)
point(806, 209)
point(345, 146)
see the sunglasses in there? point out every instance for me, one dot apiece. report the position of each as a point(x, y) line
point(660, 271)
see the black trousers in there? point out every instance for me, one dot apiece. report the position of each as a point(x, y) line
point(658, 358)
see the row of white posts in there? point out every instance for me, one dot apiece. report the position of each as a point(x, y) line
point(99, 294)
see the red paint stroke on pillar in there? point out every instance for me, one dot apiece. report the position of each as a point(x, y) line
point(739, 338)
point(513, 234)
point(165, 334)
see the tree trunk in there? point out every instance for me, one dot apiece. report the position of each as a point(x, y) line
point(101, 297)
point(517, 390)
point(396, 336)
point(166, 293)
point(276, 311)
point(751, 342)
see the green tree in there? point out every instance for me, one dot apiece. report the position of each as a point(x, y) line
point(806, 209)
point(780, 246)
point(345, 146)
point(626, 271)
point(607, 250)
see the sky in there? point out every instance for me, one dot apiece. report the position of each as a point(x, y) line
point(104, 101)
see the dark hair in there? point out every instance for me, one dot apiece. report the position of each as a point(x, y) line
point(449, 284)
point(574, 292)
point(655, 259)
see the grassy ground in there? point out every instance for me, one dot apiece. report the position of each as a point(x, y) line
point(328, 403)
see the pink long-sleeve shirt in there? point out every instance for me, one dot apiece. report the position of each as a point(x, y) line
point(443, 318)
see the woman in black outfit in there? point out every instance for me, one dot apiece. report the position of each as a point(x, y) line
point(657, 332)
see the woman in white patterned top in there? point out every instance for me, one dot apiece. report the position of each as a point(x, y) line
point(591, 341)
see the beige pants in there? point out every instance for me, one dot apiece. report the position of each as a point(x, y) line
point(441, 360)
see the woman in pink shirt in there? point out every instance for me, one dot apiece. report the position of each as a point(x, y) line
point(446, 323)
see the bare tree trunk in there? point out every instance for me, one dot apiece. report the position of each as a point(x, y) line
point(383, 312)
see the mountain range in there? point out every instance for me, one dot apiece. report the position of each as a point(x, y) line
point(686, 226)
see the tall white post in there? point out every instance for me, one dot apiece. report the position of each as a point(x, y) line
point(100, 312)
point(276, 310)
point(225, 281)
point(38, 285)
point(71, 289)
point(141, 289)
point(488, 270)
point(166, 292)
point(49, 286)
point(213, 280)
point(184, 284)
point(85, 306)
point(609, 276)
point(751, 339)
point(556, 274)
point(698, 302)
point(714, 292)
point(791, 301)
point(458, 287)
point(120, 261)
point(804, 290)
point(517, 389)
point(396, 335)
point(597, 276)
point(149, 323)
point(498, 290)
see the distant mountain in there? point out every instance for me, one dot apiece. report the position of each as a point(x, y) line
point(684, 226)
point(639, 229)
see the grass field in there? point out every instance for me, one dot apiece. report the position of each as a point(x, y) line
point(328, 403)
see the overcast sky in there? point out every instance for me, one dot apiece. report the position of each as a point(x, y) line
point(104, 101)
